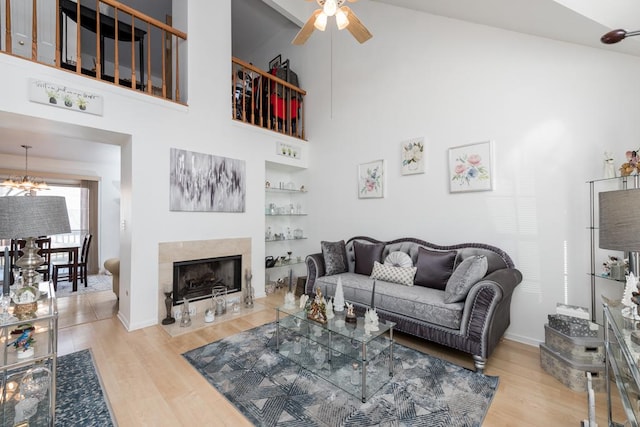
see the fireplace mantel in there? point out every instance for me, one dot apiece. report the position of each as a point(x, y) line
point(170, 252)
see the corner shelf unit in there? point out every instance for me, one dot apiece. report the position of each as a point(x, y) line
point(595, 187)
point(12, 368)
point(286, 223)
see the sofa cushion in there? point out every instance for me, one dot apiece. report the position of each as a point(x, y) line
point(434, 268)
point(468, 273)
point(425, 304)
point(389, 273)
point(366, 255)
point(335, 257)
point(398, 259)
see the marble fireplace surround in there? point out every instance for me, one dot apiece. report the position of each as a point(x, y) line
point(170, 252)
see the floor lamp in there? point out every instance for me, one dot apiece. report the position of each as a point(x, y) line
point(29, 217)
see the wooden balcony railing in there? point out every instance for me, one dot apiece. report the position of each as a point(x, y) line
point(262, 99)
point(120, 44)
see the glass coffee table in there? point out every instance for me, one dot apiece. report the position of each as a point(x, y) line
point(347, 355)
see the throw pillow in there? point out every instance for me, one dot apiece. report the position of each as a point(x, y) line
point(402, 275)
point(335, 257)
point(366, 254)
point(398, 259)
point(468, 273)
point(434, 268)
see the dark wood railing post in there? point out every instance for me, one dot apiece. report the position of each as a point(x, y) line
point(177, 69)
point(34, 31)
point(98, 61)
point(134, 79)
point(9, 42)
point(149, 83)
point(78, 42)
point(116, 63)
point(58, 42)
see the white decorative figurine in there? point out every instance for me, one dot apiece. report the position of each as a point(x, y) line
point(630, 310)
point(329, 306)
point(371, 319)
point(289, 300)
point(338, 300)
point(303, 301)
point(609, 167)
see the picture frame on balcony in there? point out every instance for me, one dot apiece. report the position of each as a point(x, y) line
point(471, 167)
point(201, 182)
point(275, 62)
point(371, 178)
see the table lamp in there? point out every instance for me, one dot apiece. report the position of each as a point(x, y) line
point(620, 224)
point(28, 217)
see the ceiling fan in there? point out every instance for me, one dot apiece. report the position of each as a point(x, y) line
point(345, 18)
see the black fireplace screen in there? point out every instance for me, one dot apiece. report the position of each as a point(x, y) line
point(195, 279)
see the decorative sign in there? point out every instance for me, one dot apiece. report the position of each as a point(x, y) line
point(64, 97)
point(288, 150)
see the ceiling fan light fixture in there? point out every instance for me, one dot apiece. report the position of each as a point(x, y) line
point(321, 22)
point(330, 7)
point(341, 19)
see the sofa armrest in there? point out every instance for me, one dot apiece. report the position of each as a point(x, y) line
point(315, 269)
point(487, 308)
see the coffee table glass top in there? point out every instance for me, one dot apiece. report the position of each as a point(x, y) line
point(355, 331)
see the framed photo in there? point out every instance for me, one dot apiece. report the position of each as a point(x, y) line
point(371, 180)
point(275, 62)
point(413, 156)
point(471, 167)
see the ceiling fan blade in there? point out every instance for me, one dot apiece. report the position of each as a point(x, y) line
point(355, 27)
point(306, 30)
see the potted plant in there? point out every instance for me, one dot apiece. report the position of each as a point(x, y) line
point(53, 96)
point(82, 103)
point(67, 101)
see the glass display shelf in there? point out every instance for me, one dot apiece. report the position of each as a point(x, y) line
point(284, 190)
point(286, 264)
point(35, 404)
point(284, 240)
point(621, 361)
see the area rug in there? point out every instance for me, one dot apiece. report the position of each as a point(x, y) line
point(271, 390)
point(95, 283)
point(80, 399)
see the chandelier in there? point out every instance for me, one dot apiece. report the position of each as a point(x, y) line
point(26, 183)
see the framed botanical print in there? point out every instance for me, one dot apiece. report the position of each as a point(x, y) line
point(371, 180)
point(471, 167)
point(413, 156)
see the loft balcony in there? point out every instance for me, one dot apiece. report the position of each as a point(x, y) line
point(270, 100)
point(100, 39)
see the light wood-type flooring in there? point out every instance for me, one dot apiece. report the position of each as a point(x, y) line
point(148, 382)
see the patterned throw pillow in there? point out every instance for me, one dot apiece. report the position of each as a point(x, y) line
point(468, 273)
point(402, 275)
point(335, 257)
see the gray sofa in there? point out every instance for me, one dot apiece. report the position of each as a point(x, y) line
point(473, 325)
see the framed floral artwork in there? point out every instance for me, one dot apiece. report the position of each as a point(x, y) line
point(371, 180)
point(471, 167)
point(413, 156)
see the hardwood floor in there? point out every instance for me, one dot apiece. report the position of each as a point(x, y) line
point(148, 383)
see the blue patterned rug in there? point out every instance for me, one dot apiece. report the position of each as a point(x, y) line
point(271, 390)
point(80, 399)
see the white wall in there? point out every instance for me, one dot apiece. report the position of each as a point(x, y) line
point(551, 109)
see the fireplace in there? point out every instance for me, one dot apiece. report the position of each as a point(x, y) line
point(195, 279)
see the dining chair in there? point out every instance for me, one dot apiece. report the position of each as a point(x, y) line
point(44, 243)
point(68, 265)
